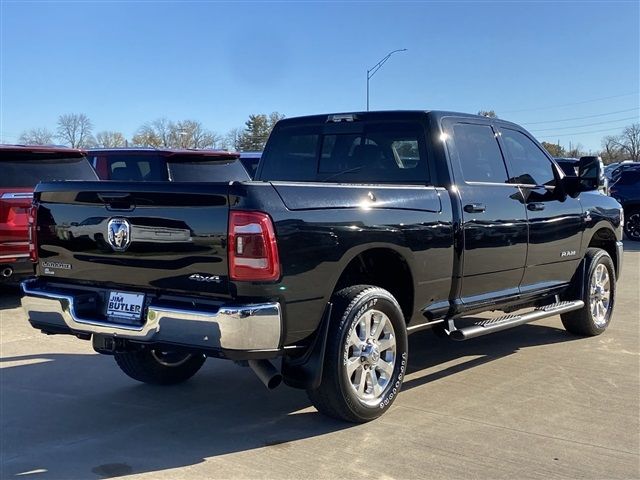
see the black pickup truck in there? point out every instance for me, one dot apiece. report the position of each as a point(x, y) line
point(358, 230)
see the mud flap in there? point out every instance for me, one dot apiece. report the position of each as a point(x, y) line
point(306, 371)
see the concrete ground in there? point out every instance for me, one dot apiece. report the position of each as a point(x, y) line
point(531, 402)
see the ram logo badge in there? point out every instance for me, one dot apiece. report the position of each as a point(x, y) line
point(119, 234)
point(568, 253)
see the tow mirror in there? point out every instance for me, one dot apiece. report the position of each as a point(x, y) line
point(591, 173)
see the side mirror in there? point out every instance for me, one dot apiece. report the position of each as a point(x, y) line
point(591, 173)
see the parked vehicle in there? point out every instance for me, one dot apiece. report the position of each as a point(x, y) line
point(250, 161)
point(21, 168)
point(610, 169)
point(358, 230)
point(616, 172)
point(626, 190)
point(149, 164)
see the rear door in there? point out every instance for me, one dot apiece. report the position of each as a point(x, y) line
point(556, 221)
point(494, 221)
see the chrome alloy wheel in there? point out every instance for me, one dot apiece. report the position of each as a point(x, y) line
point(600, 295)
point(371, 356)
point(170, 359)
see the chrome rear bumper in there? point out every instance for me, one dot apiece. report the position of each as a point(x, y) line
point(231, 327)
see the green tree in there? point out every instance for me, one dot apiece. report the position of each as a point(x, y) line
point(257, 130)
point(554, 149)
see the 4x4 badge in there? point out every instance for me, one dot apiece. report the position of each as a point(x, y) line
point(119, 234)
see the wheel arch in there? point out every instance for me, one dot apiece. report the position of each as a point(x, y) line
point(383, 266)
point(605, 239)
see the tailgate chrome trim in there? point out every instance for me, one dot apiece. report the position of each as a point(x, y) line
point(232, 327)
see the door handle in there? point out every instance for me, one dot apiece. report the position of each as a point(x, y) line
point(535, 207)
point(475, 208)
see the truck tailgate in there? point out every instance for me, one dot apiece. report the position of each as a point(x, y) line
point(135, 235)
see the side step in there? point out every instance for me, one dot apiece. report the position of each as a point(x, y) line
point(505, 322)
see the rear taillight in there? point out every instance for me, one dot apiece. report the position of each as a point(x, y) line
point(33, 246)
point(253, 251)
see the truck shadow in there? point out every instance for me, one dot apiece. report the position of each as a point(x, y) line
point(9, 296)
point(101, 424)
point(428, 351)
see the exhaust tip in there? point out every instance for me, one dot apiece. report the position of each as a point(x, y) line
point(266, 372)
point(274, 381)
point(7, 272)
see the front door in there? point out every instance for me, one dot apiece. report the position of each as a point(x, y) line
point(494, 221)
point(556, 221)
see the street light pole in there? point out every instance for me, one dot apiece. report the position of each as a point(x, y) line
point(372, 71)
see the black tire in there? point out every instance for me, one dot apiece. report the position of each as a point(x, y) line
point(632, 224)
point(583, 322)
point(159, 368)
point(336, 396)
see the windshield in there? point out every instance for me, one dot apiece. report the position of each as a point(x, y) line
point(17, 172)
point(211, 171)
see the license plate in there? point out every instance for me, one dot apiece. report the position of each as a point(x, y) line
point(125, 306)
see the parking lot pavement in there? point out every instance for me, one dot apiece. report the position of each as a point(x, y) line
point(531, 402)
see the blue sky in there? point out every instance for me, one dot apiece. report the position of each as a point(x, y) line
point(126, 63)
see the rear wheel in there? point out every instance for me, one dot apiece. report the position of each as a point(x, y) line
point(366, 355)
point(599, 291)
point(159, 367)
point(632, 225)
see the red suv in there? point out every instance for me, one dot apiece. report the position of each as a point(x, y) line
point(21, 168)
point(149, 165)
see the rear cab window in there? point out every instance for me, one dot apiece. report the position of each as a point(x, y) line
point(347, 152)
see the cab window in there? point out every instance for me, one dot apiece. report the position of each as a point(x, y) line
point(527, 164)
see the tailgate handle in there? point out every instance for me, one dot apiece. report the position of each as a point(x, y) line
point(117, 200)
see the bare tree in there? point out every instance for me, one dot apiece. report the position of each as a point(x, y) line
point(36, 136)
point(191, 134)
point(109, 139)
point(146, 137)
point(629, 141)
point(611, 152)
point(163, 133)
point(234, 137)
point(575, 151)
point(74, 129)
point(488, 113)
